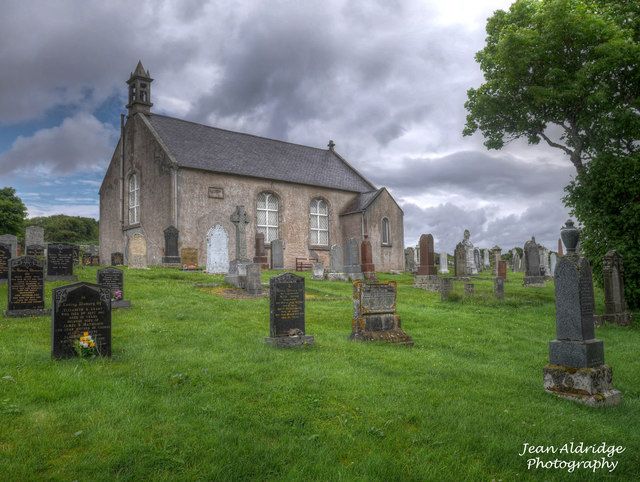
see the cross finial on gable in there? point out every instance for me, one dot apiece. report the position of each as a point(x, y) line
point(331, 145)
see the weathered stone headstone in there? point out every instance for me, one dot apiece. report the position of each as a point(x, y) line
point(375, 318)
point(460, 261)
point(409, 260)
point(496, 252)
point(469, 289)
point(171, 254)
point(261, 252)
point(516, 261)
point(36, 250)
point(253, 284)
point(217, 250)
point(615, 306)
point(444, 263)
point(477, 260)
point(485, 258)
point(240, 219)
point(366, 255)
point(560, 251)
point(446, 287)
point(26, 287)
point(34, 235)
point(89, 259)
point(427, 256)
point(5, 256)
point(352, 268)
point(576, 368)
point(287, 313)
point(60, 262)
point(533, 276)
point(545, 269)
point(277, 254)
point(553, 261)
point(336, 264)
point(137, 252)
point(498, 288)
point(12, 241)
point(502, 270)
point(113, 279)
point(81, 314)
point(189, 257)
point(117, 259)
point(317, 270)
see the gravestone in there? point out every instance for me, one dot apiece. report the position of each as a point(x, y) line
point(117, 259)
point(352, 268)
point(553, 261)
point(496, 253)
point(36, 250)
point(485, 258)
point(469, 289)
point(261, 252)
point(576, 368)
point(277, 254)
point(76, 254)
point(516, 261)
point(336, 264)
point(444, 263)
point(5, 256)
point(471, 268)
point(60, 262)
point(498, 288)
point(533, 274)
point(287, 313)
point(26, 287)
point(240, 219)
point(545, 269)
point(78, 309)
point(189, 257)
point(317, 270)
point(137, 253)
point(427, 256)
point(477, 258)
point(171, 255)
point(375, 317)
point(366, 255)
point(502, 270)
point(12, 241)
point(113, 279)
point(446, 287)
point(34, 235)
point(217, 250)
point(252, 283)
point(89, 259)
point(409, 260)
point(615, 306)
point(460, 261)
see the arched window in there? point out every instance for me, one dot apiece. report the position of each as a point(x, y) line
point(134, 199)
point(268, 206)
point(386, 237)
point(319, 223)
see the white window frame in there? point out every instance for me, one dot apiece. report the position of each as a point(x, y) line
point(316, 213)
point(134, 199)
point(386, 232)
point(270, 230)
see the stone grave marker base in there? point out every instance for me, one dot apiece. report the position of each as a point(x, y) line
point(290, 341)
point(427, 282)
point(534, 280)
point(27, 313)
point(121, 304)
point(61, 278)
point(622, 319)
point(588, 386)
point(397, 336)
point(337, 277)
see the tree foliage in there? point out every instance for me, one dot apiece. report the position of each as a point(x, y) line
point(12, 212)
point(562, 71)
point(67, 229)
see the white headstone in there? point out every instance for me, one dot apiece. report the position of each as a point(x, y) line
point(553, 259)
point(217, 250)
point(444, 266)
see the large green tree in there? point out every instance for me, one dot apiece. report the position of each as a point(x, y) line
point(68, 229)
point(12, 212)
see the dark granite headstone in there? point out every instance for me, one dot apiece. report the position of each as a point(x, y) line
point(460, 261)
point(374, 313)
point(26, 287)
point(277, 254)
point(78, 309)
point(498, 288)
point(5, 256)
point(60, 260)
point(113, 279)
point(533, 269)
point(171, 254)
point(12, 241)
point(287, 311)
point(36, 250)
point(117, 259)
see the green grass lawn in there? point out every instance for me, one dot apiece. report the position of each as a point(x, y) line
point(193, 392)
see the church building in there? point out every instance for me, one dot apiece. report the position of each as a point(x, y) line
point(175, 181)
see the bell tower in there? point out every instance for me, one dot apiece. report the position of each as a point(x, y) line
point(139, 91)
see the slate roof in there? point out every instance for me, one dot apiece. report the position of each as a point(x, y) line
point(211, 149)
point(361, 202)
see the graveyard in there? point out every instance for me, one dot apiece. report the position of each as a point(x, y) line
point(192, 391)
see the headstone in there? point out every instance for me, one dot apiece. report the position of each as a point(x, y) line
point(117, 259)
point(615, 305)
point(287, 313)
point(26, 287)
point(89, 259)
point(446, 287)
point(113, 279)
point(336, 264)
point(469, 289)
point(171, 254)
point(444, 263)
point(498, 288)
point(189, 257)
point(375, 317)
point(277, 254)
point(240, 219)
point(477, 258)
point(76, 254)
point(366, 255)
point(485, 258)
point(317, 270)
point(576, 368)
point(460, 261)
point(11, 240)
point(553, 261)
point(60, 262)
point(261, 252)
point(516, 261)
point(253, 284)
point(34, 235)
point(409, 260)
point(5, 256)
point(217, 250)
point(560, 251)
point(545, 269)
point(502, 270)
point(427, 256)
point(352, 268)
point(137, 255)
point(81, 321)
point(36, 250)
point(471, 268)
point(496, 251)
point(533, 276)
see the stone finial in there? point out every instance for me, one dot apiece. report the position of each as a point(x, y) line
point(570, 236)
point(331, 145)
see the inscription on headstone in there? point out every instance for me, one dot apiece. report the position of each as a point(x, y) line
point(36, 250)
point(287, 311)
point(117, 259)
point(5, 256)
point(26, 287)
point(171, 255)
point(113, 279)
point(189, 257)
point(34, 235)
point(60, 260)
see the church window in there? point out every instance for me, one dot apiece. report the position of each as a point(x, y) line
point(319, 223)
point(268, 207)
point(134, 199)
point(386, 237)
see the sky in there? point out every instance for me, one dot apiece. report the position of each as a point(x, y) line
point(385, 80)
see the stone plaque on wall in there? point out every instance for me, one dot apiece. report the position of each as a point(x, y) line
point(216, 193)
point(137, 256)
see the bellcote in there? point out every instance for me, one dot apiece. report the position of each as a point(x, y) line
point(139, 91)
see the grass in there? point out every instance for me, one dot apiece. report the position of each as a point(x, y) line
point(193, 392)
